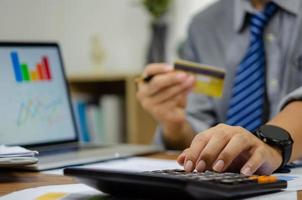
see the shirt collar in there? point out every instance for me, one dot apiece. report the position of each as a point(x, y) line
point(242, 7)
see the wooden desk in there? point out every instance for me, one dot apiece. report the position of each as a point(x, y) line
point(14, 181)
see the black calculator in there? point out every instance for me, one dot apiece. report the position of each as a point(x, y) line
point(177, 184)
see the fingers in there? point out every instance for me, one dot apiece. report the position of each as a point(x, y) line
point(164, 77)
point(212, 150)
point(157, 68)
point(254, 163)
point(165, 95)
point(231, 151)
point(203, 153)
point(205, 148)
point(171, 92)
point(182, 100)
point(160, 82)
point(181, 158)
point(167, 111)
point(174, 115)
point(165, 86)
point(193, 153)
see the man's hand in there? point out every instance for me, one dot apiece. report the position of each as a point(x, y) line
point(231, 148)
point(164, 97)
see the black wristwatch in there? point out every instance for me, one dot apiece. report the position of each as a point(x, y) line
point(277, 137)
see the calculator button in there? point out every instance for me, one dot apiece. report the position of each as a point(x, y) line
point(228, 181)
point(245, 180)
point(221, 178)
point(267, 179)
point(203, 178)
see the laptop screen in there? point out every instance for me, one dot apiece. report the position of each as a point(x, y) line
point(34, 103)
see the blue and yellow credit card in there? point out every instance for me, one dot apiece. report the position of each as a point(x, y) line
point(209, 79)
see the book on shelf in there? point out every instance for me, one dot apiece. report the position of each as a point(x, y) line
point(111, 106)
point(95, 124)
point(99, 120)
point(81, 108)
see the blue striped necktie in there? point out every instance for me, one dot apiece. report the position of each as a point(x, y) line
point(247, 101)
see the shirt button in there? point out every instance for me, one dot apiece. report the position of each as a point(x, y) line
point(270, 37)
point(274, 84)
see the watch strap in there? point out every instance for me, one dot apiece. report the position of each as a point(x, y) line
point(286, 149)
point(286, 154)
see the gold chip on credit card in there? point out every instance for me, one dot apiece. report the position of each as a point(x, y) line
point(209, 79)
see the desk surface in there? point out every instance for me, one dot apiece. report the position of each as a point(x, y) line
point(14, 181)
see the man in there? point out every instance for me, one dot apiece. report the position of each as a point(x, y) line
point(258, 43)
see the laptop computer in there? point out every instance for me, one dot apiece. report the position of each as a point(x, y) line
point(36, 110)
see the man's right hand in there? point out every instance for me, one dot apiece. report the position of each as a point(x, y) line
point(164, 97)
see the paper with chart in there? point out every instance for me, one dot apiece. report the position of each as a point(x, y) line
point(55, 192)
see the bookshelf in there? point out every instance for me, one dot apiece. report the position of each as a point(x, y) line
point(139, 126)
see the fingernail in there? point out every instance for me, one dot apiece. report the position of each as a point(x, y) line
point(181, 76)
point(189, 166)
point(201, 166)
point(218, 165)
point(246, 171)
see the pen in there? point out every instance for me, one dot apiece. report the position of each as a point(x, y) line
point(148, 78)
point(145, 79)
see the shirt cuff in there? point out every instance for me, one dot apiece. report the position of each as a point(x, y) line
point(296, 95)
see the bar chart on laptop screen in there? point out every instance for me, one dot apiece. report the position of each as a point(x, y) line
point(35, 100)
point(39, 72)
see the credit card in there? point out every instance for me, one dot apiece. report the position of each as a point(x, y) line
point(210, 79)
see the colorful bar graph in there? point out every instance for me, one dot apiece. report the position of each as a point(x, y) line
point(39, 69)
point(16, 66)
point(34, 76)
point(23, 73)
point(47, 68)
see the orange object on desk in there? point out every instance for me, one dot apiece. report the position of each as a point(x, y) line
point(264, 179)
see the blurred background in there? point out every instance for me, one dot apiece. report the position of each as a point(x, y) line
point(120, 27)
point(105, 45)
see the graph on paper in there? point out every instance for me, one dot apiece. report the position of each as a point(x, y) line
point(41, 71)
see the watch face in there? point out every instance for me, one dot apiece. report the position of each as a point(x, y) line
point(275, 134)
